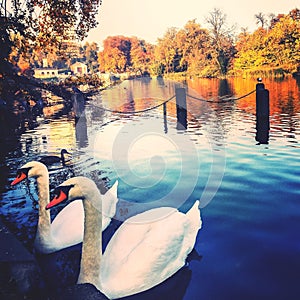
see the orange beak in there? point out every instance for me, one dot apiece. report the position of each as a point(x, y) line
point(20, 178)
point(57, 199)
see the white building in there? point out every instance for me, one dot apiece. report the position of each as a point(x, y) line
point(45, 73)
point(79, 68)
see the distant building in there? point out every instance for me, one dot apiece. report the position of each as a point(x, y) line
point(45, 73)
point(79, 68)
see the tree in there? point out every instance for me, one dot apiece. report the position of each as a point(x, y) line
point(284, 42)
point(115, 56)
point(261, 19)
point(193, 48)
point(166, 51)
point(90, 56)
point(221, 39)
point(44, 22)
point(124, 54)
point(29, 26)
point(275, 48)
point(140, 56)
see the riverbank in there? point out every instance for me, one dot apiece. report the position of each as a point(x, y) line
point(270, 73)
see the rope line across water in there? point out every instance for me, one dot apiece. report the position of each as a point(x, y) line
point(190, 96)
point(137, 111)
point(222, 100)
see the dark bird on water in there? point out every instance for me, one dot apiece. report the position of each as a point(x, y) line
point(52, 159)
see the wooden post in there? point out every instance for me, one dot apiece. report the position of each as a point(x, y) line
point(262, 114)
point(262, 101)
point(181, 109)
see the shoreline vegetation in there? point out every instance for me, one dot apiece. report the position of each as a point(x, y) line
point(194, 51)
point(267, 72)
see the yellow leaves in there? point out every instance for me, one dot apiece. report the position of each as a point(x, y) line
point(274, 47)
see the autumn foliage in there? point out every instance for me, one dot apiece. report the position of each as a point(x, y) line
point(271, 50)
point(276, 48)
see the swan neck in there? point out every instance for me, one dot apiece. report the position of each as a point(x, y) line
point(62, 157)
point(44, 220)
point(92, 243)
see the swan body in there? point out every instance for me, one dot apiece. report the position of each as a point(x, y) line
point(68, 226)
point(146, 249)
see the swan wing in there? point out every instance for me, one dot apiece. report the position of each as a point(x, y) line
point(143, 254)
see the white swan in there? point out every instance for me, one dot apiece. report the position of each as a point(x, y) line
point(68, 226)
point(146, 249)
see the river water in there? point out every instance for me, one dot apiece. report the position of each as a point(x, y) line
point(246, 175)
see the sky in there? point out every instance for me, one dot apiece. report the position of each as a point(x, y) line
point(149, 20)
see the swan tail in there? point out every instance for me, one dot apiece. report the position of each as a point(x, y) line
point(194, 216)
point(195, 224)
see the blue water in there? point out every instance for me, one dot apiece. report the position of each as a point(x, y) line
point(249, 245)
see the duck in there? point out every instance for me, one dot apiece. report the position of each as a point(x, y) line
point(144, 251)
point(52, 159)
point(68, 226)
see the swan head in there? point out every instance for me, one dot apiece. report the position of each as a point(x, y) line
point(73, 189)
point(64, 151)
point(31, 169)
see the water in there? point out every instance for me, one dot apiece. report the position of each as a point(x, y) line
point(248, 247)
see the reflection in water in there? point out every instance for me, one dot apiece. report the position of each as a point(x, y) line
point(262, 130)
point(224, 88)
point(81, 131)
point(129, 104)
point(211, 127)
point(80, 119)
point(165, 118)
point(78, 104)
point(181, 109)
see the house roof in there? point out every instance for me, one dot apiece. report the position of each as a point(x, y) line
point(77, 64)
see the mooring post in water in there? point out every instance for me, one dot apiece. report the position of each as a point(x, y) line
point(262, 100)
point(181, 108)
point(262, 113)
